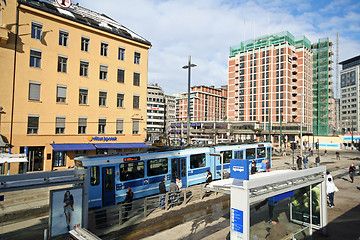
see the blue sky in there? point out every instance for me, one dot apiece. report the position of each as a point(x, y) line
point(205, 29)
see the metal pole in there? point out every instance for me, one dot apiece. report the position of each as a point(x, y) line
point(269, 124)
point(188, 104)
point(352, 134)
point(301, 123)
point(222, 165)
point(280, 129)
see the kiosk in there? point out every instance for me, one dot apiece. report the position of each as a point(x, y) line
point(282, 204)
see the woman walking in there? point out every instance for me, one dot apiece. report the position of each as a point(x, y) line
point(352, 172)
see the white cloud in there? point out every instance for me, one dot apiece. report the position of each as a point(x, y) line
point(205, 29)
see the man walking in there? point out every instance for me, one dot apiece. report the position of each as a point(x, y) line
point(162, 191)
point(305, 161)
point(173, 189)
point(337, 155)
point(317, 160)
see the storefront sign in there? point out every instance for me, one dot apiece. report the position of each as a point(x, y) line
point(102, 139)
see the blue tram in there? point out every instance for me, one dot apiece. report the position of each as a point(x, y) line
point(111, 175)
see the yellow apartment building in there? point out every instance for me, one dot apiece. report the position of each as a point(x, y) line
point(72, 82)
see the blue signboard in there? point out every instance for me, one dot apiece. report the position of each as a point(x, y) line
point(239, 168)
point(283, 196)
point(237, 220)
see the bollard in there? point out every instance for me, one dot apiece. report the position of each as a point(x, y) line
point(185, 196)
point(166, 200)
point(45, 234)
point(120, 214)
point(145, 206)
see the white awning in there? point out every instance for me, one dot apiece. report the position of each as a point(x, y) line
point(12, 160)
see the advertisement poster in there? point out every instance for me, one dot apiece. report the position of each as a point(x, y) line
point(65, 210)
point(301, 205)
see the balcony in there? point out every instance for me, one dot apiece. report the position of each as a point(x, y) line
point(294, 70)
point(294, 56)
point(331, 60)
point(331, 52)
point(294, 63)
point(4, 35)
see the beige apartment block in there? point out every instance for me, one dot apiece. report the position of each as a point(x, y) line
point(207, 103)
point(72, 82)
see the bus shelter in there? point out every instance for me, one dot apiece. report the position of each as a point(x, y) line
point(282, 204)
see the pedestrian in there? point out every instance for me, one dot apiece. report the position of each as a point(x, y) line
point(299, 162)
point(162, 191)
point(226, 174)
point(267, 165)
point(127, 203)
point(179, 185)
point(352, 172)
point(173, 189)
point(317, 160)
point(337, 155)
point(305, 161)
point(331, 189)
point(253, 167)
point(325, 153)
point(208, 178)
point(328, 175)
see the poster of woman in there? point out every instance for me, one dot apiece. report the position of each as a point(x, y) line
point(65, 210)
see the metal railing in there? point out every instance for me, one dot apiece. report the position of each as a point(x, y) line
point(113, 218)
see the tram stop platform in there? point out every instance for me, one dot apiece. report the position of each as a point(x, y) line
point(282, 204)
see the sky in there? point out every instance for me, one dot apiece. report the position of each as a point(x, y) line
point(206, 29)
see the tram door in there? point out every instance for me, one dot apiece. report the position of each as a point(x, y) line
point(178, 170)
point(108, 187)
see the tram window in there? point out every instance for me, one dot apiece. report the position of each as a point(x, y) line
point(131, 170)
point(197, 160)
point(250, 153)
point(157, 167)
point(227, 155)
point(109, 179)
point(94, 175)
point(261, 153)
point(239, 155)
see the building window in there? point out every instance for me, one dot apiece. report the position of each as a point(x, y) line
point(137, 58)
point(61, 94)
point(35, 58)
point(33, 124)
point(84, 68)
point(59, 159)
point(83, 96)
point(63, 38)
point(82, 125)
point(121, 75)
point(136, 79)
point(62, 64)
point(85, 44)
point(103, 72)
point(122, 54)
point(36, 30)
point(60, 125)
point(136, 102)
point(102, 98)
point(102, 126)
point(135, 127)
point(119, 126)
point(104, 49)
point(120, 100)
point(34, 91)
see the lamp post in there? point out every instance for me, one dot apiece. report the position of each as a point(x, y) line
point(352, 134)
point(189, 66)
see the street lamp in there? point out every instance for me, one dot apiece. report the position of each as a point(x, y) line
point(189, 66)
